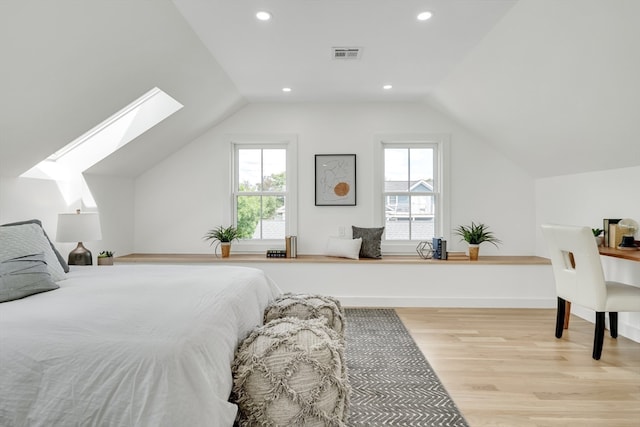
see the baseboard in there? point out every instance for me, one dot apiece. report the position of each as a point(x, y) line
point(385, 301)
point(624, 329)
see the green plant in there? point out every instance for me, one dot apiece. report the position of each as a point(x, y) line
point(597, 231)
point(476, 234)
point(105, 254)
point(222, 234)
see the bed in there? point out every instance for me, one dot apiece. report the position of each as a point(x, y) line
point(128, 345)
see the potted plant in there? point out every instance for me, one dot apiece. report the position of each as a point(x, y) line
point(597, 233)
point(474, 235)
point(223, 236)
point(105, 258)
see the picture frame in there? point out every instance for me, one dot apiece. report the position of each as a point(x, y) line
point(335, 179)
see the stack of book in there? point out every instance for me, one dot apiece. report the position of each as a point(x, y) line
point(276, 253)
point(439, 248)
point(291, 245)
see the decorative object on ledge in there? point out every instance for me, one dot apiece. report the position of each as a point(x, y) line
point(105, 258)
point(335, 179)
point(425, 250)
point(597, 233)
point(474, 235)
point(628, 228)
point(79, 227)
point(223, 236)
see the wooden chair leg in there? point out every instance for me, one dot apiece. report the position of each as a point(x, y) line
point(598, 337)
point(567, 314)
point(613, 324)
point(560, 317)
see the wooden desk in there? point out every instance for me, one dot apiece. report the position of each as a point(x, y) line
point(606, 251)
point(619, 253)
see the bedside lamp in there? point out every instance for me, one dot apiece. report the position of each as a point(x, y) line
point(79, 227)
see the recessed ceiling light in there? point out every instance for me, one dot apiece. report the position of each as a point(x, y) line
point(387, 87)
point(263, 15)
point(423, 16)
point(286, 89)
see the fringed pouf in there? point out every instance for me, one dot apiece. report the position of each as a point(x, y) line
point(291, 372)
point(306, 306)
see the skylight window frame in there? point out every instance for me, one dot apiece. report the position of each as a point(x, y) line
point(105, 124)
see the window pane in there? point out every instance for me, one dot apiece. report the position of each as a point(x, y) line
point(412, 218)
point(249, 209)
point(396, 229)
point(249, 170)
point(274, 169)
point(261, 217)
point(421, 165)
point(422, 209)
point(273, 217)
point(396, 169)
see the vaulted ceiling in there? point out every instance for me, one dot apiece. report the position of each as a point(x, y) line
point(552, 84)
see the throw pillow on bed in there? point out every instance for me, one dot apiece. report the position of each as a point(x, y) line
point(371, 240)
point(24, 276)
point(26, 239)
point(61, 260)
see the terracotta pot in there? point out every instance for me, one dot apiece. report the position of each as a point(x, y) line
point(473, 252)
point(225, 248)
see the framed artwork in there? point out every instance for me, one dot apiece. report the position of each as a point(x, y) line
point(335, 179)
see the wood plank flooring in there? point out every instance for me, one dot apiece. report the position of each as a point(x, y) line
point(504, 367)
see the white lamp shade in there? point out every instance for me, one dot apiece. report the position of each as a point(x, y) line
point(78, 227)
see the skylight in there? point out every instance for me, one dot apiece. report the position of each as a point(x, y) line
point(67, 164)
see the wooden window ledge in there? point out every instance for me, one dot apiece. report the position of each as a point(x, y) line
point(454, 258)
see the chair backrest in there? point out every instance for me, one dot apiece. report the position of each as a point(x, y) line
point(576, 264)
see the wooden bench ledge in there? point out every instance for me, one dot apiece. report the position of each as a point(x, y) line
point(454, 258)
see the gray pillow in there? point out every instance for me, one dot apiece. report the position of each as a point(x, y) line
point(61, 260)
point(371, 239)
point(24, 276)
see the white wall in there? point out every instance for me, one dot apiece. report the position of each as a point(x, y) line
point(585, 199)
point(26, 198)
point(188, 193)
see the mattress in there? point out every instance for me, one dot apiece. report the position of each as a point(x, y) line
point(129, 345)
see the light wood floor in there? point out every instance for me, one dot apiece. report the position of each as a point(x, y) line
point(504, 367)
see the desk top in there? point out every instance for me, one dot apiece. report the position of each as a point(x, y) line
point(619, 253)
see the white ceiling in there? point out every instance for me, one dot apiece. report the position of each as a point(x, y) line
point(551, 84)
point(293, 49)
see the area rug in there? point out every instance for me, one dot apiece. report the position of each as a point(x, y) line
point(392, 382)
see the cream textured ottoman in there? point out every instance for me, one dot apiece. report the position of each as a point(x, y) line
point(291, 372)
point(306, 306)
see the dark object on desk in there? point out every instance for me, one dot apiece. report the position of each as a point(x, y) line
point(628, 244)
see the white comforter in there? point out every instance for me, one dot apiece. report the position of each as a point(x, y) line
point(130, 345)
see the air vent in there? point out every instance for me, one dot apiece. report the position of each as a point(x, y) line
point(346, 52)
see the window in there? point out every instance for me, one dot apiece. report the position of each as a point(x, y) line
point(263, 194)
point(412, 205)
point(67, 164)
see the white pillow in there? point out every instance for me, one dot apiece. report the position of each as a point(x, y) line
point(344, 248)
point(20, 240)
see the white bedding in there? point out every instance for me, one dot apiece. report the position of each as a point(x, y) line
point(128, 345)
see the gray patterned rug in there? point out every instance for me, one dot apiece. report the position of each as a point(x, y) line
point(392, 382)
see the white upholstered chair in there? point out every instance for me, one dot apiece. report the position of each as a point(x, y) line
point(579, 277)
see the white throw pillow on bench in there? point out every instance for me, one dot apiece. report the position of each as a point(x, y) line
point(344, 248)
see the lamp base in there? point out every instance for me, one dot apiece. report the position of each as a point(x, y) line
point(80, 256)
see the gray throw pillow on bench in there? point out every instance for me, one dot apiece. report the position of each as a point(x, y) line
point(371, 240)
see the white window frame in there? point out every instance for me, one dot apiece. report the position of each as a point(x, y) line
point(290, 144)
point(441, 144)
